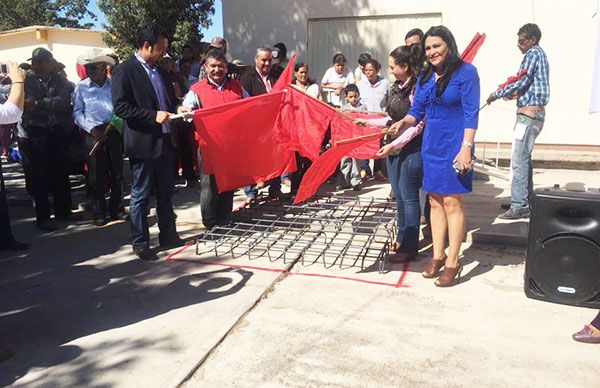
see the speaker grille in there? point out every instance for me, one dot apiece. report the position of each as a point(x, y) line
point(567, 269)
point(534, 288)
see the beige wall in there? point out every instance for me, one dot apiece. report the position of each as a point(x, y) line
point(65, 45)
point(568, 31)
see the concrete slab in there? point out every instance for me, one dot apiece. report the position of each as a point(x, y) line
point(115, 321)
point(81, 310)
point(312, 331)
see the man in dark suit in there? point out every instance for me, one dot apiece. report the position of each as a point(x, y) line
point(259, 81)
point(143, 98)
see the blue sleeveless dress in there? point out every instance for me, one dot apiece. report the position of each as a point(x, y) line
point(446, 117)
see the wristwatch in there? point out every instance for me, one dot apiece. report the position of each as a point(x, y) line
point(467, 144)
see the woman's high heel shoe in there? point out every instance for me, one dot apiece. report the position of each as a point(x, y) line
point(449, 276)
point(433, 267)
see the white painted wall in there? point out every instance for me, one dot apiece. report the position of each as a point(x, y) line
point(65, 45)
point(568, 33)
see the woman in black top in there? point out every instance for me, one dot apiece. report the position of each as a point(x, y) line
point(403, 151)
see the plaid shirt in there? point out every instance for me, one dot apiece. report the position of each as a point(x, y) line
point(534, 87)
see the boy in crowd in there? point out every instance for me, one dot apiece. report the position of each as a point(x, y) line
point(353, 99)
point(350, 174)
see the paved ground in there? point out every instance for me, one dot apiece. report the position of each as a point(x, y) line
point(81, 311)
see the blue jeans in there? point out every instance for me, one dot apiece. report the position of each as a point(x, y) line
point(522, 170)
point(144, 174)
point(405, 173)
point(274, 188)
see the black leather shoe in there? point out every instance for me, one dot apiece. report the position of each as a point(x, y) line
point(99, 220)
point(145, 254)
point(172, 242)
point(6, 352)
point(48, 226)
point(69, 217)
point(14, 245)
point(119, 215)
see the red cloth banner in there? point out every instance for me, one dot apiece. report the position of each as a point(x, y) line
point(345, 129)
point(238, 143)
point(302, 123)
point(469, 54)
point(323, 167)
point(286, 76)
point(512, 79)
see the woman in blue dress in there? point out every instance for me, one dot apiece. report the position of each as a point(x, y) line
point(447, 94)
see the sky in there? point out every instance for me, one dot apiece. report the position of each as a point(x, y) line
point(215, 30)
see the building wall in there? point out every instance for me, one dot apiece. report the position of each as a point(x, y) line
point(65, 45)
point(568, 33)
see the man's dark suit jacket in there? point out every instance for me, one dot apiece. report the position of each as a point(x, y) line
point(253, 84)
point(135, 101)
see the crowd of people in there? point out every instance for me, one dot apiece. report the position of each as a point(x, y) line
point(124, 110)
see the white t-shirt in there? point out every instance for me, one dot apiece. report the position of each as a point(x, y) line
point(374, 96)
point(358, 73)
point(312, 90)
point(332, 77)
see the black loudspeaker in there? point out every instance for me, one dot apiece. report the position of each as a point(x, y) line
point(563, 248)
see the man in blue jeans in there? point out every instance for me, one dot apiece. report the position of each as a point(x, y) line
point(143, 97)
point(532, 91)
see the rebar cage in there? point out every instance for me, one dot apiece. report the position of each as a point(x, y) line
point(347, 231)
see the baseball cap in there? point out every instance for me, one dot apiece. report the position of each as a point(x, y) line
point(218, 42)
point(40, 54)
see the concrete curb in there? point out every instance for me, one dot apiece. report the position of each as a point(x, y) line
point(481, 238)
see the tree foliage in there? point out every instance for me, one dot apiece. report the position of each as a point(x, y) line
point(183, 20)
point(55, 13)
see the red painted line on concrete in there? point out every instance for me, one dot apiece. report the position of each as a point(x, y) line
point(172, 255)
point(403, 275)
point(344, 278)
point(396, 285)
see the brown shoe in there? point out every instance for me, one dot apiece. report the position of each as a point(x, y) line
point(433, 267)
point(587, 335)
point(401, 257)
point(449, 276)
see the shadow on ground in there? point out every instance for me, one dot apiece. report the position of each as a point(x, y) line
point(82, 280)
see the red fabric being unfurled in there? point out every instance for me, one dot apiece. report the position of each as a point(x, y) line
point(286, 76)
point(469, 54)
point(342, 128)
point(302, 123)
point(513, 79)
point(238, 144)
point(254, 139)
point(323, 167)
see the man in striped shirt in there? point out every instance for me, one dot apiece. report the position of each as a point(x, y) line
point(532, 91)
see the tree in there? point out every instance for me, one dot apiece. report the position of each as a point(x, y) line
point(61, 13)
point(182, 19)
